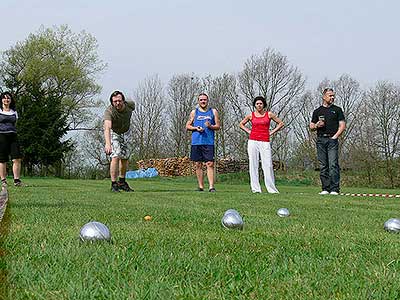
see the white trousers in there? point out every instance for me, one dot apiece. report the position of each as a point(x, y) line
point(255, 150)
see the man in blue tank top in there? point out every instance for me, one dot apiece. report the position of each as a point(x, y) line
point(203, 121)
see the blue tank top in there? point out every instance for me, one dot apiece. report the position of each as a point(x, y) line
point(207, 136)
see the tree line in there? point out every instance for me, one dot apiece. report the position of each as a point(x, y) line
point(53, 76)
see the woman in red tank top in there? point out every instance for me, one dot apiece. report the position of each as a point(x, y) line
point(259, 144)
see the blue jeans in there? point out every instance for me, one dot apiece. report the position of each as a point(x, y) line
point(328, 157)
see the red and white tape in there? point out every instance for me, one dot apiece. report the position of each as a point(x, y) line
point(371, 195)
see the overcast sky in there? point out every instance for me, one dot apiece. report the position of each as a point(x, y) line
point(137, 39)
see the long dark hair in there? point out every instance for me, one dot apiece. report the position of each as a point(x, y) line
point(8, 95)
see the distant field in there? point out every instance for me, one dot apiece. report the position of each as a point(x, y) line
point(330, 248)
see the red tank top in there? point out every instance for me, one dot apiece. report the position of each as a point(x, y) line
point(260, 128)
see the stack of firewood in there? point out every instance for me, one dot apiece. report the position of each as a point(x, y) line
point(183, 166)
point(173, 166)
point(229, 165)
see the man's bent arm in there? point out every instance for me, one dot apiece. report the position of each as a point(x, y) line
point(342, 127)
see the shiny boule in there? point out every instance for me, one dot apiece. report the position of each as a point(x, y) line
point(392, 225)
point(232, 211)
point(283, 212)
point(95, 231)
point(232, 220)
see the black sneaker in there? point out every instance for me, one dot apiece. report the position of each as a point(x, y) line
point(212, 190)
point(123, 186)
point(114, 188)
point(199, 189)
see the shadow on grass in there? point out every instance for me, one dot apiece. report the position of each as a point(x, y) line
point(167, 191)
point(4, 230)
point(52, 205)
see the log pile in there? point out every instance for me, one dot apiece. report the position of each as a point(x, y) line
point(229, 165)
point(183, 166)
point(167, 167)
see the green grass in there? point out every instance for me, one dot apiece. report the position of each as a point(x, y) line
point(330, 248)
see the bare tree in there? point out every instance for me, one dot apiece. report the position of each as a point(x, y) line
point(182, 91)
point(222, 92)
point(148, 126)
point(304, 152)
point(363, 153)
point(348, 97)
point(93, 144)
point(270, 75)
point(383, 101)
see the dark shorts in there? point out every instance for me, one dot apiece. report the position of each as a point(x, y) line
point(9, 146)
point(202, 153)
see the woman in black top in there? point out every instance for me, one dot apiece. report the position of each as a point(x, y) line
point(9, 146)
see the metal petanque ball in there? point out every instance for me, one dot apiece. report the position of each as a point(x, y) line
point(95, 231)
point(283, 212)
point(392, 225)
point(232, 220)
point(232, 211)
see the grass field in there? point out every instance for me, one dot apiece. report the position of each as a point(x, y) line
point(329, 248)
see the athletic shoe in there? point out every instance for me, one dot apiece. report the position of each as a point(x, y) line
point(123, 186)
point(114, 188)
point(212, 190)
point(334, 193)
point(20, 184)
point(199, 189)
point(4, 183)
point(324, 193)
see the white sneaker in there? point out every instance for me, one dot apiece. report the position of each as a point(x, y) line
point(324, 193)
point(334, 193)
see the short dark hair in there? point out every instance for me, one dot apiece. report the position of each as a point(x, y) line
point(260, 98)
point(327, 90)
point(12, 103)
point(116, 93)
point(202, 94)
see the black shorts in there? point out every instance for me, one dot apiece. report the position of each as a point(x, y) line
point(202, 153)
point(9, 146)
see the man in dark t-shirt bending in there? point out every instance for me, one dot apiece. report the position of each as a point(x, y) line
point(328, 120)
point(117, 119)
